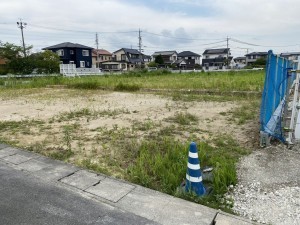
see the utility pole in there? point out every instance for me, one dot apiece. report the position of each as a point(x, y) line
point(22, 25)
point(140, 47)
point(227, 40)
point(97, 52)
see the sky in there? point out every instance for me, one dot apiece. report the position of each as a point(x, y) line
point(181, 25)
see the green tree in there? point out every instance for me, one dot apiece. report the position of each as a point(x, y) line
point(159, 59)
point(21, 65)
point(260, 62)
point(46, 62)
point(152, 64)
point(16, 62)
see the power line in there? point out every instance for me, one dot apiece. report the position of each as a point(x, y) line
point(80, 31)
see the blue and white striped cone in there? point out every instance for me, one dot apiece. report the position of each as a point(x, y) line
point(193, 174)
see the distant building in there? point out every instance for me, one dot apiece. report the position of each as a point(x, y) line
point(191, 59)
point(239, 62)
point(125, 59)
point(291, 55)
point(215, 59)
point(101, 55)
point(70, 53)
point(253, 56)
point(169, 57)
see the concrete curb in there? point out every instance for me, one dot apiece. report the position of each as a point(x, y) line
point(158, 207)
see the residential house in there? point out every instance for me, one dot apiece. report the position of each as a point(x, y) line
point(214, 59)
point(169, 57)
point(239, 62)
point(125, 59)
point(253, 56)
point(180, 64)
point(191, 59)
point(291, 55)
point(70, 53)
point(99, 56)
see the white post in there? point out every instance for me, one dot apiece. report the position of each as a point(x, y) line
point(294, 108)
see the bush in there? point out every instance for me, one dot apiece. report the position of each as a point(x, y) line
point(126, 87)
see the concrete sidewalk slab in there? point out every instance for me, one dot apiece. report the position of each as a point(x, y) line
point(4, 152)
point(82, 179)
point(179, 211)
point(3, 146)
point(228, 219)
point(145, 202)
point(16, 159)
point(111, 189)
point(33, 165)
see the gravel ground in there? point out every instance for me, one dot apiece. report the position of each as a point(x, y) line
point(269, 186)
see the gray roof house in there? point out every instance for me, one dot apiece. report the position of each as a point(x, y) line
point(70, 53)
point(125, 59)
point(214, 59)
point(169, 57)
point(192, 59)
point(291, 55)
point(253, 56)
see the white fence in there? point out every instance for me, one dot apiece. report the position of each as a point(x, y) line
point(70, 70)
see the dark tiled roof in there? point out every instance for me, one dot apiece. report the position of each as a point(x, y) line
point(67, 45)
point(164, 53)
point(178, 61)
point(134, 52)
point(131, 51)
point(257, 53)
point(240, 58)
point(289, 53)
point(187, 53)
point(216, 51)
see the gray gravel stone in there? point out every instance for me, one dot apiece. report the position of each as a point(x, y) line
point(269, 186)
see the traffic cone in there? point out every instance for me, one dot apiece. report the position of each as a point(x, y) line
point(193, 174)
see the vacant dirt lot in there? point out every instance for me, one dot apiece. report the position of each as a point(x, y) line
point(92, 123)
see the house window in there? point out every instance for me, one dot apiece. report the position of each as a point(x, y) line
point(123, 57)
point(82, 63)
point(115, 67)
point(71, 62)
point(60, 52)
point(85, 52)
point(123, 66)
point(71, 52)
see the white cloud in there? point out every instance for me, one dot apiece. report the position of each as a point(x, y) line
point(268, 22)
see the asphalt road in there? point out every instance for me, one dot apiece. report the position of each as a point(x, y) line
point(25, 200)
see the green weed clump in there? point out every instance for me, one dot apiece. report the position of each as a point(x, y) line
point(246, 112)
point(184, 118)
point(161, 164)
point(126, 87)
point(62, 154)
